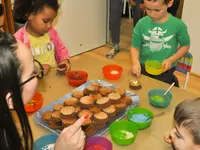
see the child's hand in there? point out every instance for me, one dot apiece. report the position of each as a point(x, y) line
point(72, 137)
point(67, 67)
point(166, 64)
point(167, 138)
point(47, 68)
point(136, 69)
point(132, 3)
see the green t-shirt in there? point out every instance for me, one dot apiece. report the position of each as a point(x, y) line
point(159, 41)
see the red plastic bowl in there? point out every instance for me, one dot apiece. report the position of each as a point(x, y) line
point(35, 104)
point(112, 72)
point(77, 78)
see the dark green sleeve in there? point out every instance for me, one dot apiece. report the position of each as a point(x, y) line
point(137, 36)
point(182, 35)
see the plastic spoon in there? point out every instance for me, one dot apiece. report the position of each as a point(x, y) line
point(157, 115)
point(169, 88)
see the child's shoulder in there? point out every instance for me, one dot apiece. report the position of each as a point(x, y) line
point(176, 20)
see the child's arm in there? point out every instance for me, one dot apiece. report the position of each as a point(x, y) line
point(167, 63)
point(136, 68)
point(184, 41)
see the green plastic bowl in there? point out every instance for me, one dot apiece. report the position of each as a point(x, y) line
point(157, 98)
point(153, 67)
point(116, 131)
point(138, 111)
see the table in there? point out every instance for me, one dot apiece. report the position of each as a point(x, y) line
point(54, 87)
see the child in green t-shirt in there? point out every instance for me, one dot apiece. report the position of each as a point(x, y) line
point(159, 36)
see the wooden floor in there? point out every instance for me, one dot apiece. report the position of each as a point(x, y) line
point(123, 59)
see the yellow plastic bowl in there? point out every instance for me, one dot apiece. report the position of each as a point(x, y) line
point(153, 67)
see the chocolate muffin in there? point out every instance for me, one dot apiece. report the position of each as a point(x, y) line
point(110, 111)
point(95, 109)
point(96, 96)
point(55, 116)
point(85, 92)
point(71, 102)
point(92, 89)
point(127, 100)
point(55, 125)
point(84, 112)
point(120, 107)
point(114, 97)
point(90, 130)
point(105, 91)
point(135, 84)
point(67, 122)
point(77, 94)
point(120, 91)
point(103, 102)
point(46, 116)
point(68, 112)
point(57, 107)
point(86, 102)
point(100, 118)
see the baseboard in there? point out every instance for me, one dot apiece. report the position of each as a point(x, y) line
point(195, 74)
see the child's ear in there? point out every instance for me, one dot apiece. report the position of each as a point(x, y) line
point(170, 3)
point(30, 16)
point(9, 100)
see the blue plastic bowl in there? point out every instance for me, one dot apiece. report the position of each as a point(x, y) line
point(42, 142)
point(157, 98)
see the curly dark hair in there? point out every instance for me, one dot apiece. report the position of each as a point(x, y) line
point(22, 8)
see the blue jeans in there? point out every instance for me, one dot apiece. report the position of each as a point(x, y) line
point(137, 12)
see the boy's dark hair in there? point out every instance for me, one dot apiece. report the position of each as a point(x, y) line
point(187, 115)
point(165, 1)
point(23, 8)
point(1, 10)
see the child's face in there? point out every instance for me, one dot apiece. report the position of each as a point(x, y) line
point(41, 22)
point(182, 139)
point(156, 10)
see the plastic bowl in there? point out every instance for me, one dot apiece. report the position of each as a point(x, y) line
point(157, 98)
point(153, 67)
point(98, 143)
point(45, 142)
point(117, 132)
point(77, 78)
point(112, 72)
point(140, 111)
point(35, 104)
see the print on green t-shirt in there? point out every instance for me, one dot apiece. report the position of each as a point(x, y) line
point(159, 41)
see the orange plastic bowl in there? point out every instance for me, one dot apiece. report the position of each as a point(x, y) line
point(77, 78)
point(35, 104)
point(112, 72)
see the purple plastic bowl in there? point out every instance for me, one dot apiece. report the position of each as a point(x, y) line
point(105, 143)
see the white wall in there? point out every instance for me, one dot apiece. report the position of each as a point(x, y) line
point(191, 18)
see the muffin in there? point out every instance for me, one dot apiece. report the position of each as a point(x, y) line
point(77, 109)
point(114, 97)
point(67, 122)
point(57, 107)
point(103, 102)
point(100, 118)
point(127, 100)
point(92, 89)
point(84, 112)
point(55, 116)
point(86, 102)
point(105, 91)
point(135, 84)
point(55, 125)
point(96, 84)
point(71, 102)
point(68, 112)
point(90, 130)
point(120, 107)
point(96, 96)
point(95, 109)
point(46, 116)
point(120, 91)
point(85, 92)
point(77, 94)
point(110, 111)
